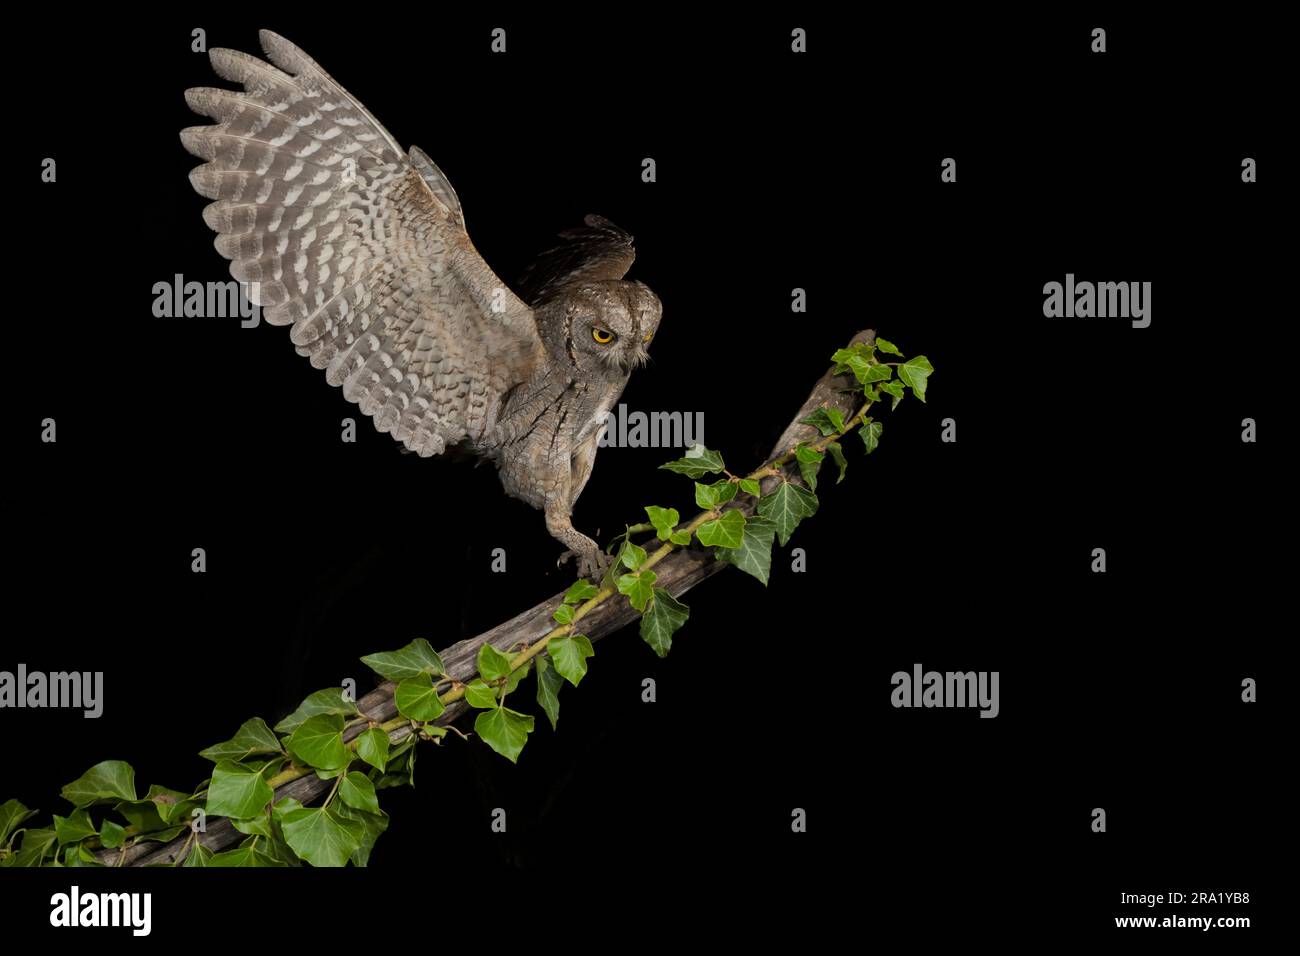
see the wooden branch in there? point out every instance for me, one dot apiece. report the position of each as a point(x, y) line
point(678, 572)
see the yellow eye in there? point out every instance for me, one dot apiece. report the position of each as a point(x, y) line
point(648, 338)
point(603, 336)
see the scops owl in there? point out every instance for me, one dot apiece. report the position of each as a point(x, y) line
point(362, 249)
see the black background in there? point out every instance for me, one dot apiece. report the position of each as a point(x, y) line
point(775, 171)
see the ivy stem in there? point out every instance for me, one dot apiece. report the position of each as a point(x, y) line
point(182, 855)
point(333, 790)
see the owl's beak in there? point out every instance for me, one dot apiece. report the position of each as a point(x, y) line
point(636, 360)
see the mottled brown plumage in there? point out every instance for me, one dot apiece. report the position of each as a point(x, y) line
point(362, 250)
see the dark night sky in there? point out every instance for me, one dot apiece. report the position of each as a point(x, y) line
point(774, 171)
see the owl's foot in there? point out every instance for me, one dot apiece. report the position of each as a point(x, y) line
point(592, 562)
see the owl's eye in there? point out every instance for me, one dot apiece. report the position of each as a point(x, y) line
point(649, 336)
point(603, 336)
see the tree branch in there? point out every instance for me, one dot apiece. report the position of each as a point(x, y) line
point(678, 572)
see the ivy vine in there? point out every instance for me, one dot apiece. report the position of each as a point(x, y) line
point(251, 765)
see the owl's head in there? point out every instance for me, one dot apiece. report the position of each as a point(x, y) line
point(608, 325)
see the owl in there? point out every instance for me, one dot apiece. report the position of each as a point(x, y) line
point(361, 250)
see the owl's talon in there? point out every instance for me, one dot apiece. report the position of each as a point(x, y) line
point(591, 563)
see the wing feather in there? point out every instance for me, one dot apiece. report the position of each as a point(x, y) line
point(597, 249)
point(357, 246)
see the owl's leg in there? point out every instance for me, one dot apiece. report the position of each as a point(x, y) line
point(584, 459)
point(591, 560)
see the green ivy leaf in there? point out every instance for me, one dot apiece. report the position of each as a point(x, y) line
point(875, 373)
point(322, 836)
point(860, 359)
point(237, 791)
point(252, 737)
point(841, 359)
point(681, 538)
point(259, 825)
point(637, 587)
point(549, 682)
point(665, 615)
point(12, 813)
point(327, 701)
point(724, 532)
point(492, 664)
point(144, 815)
point(750, 486)
point(712, 495)
point(705, 496)
point(79, 855)
point(372, 825)
point(417, 700)
point(318, 742)
point(870, 432)
point(372, 747)
point(284, 806)
point(244, 856)
point(569, 656)
point(171, 804)
point(838, 454)
point(857, 364)
point(859, 349)
point(810, 462)
point(111, 835)
point(356, 790)
point(916, 372)
point(885, 345)
point(580, 591)
point(515, 676)
point(480, 695)
point(828, 421)
point(109, 780)
point(633, 556)
point(74, 828)
point(872, 392)
point(36, 845)
point(276, 851)
point(663, 519)
point(563, 614)
point(786, 507)
point(896, 390)
point(418, 657)
point(754, 556)
point(504, 730)
point(699, 461)
point(199, 855)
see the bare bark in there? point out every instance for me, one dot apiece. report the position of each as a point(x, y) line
point(677, 573)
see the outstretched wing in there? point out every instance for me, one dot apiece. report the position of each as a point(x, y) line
point(596, 250)
point(358, 247)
